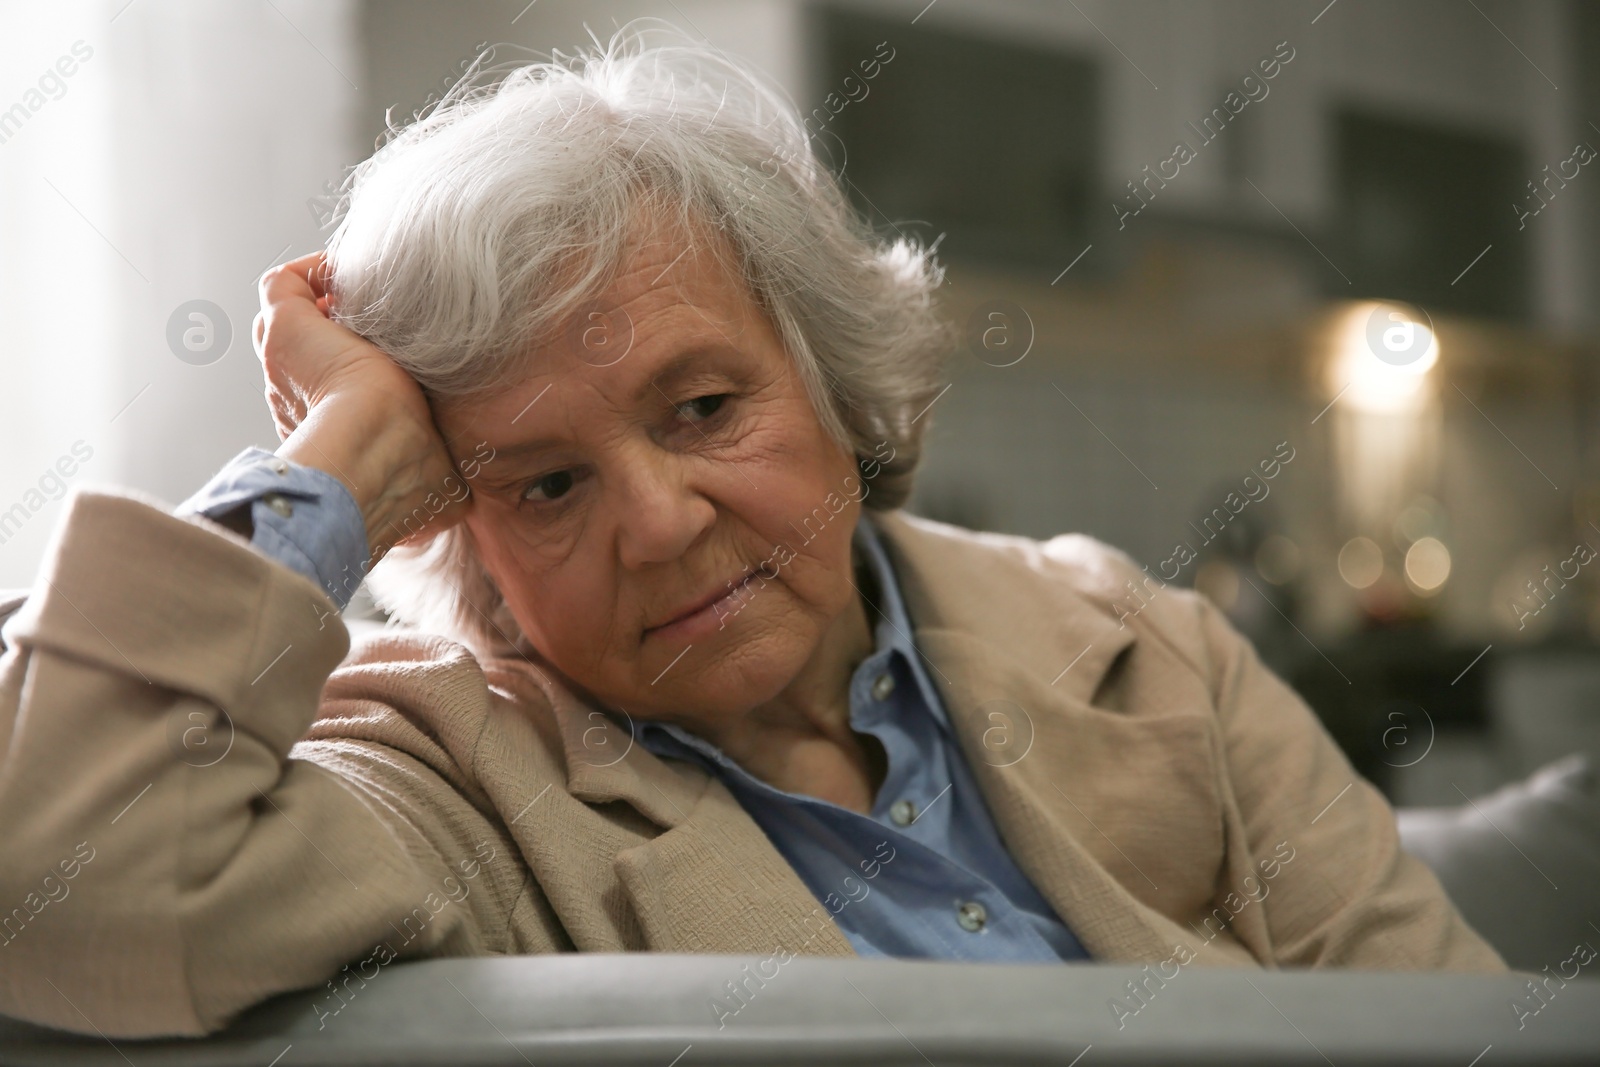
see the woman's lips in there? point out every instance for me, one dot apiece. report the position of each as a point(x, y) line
point(703, 614)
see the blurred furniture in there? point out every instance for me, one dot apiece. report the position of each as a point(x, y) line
point(1545, 703)
point(656, 1010)
point(1391, 696)
point(1523, 863)
point(1538, 704)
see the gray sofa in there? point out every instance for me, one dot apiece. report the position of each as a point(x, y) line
point(1523, 863)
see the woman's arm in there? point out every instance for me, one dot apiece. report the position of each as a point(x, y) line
point(1348, 897)
point(166, 863)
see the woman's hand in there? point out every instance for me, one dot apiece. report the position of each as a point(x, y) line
point(344, 407)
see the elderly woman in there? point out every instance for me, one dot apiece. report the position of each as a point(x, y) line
point(603, 367)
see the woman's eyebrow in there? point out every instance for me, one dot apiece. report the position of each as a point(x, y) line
point(527, 449)
point(681, 365)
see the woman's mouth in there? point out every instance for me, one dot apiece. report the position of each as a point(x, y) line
point(706, 614)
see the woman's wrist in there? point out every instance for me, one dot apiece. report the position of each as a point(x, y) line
point(383, 457)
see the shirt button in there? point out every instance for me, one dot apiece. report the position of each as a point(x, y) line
point(278, 466)
point(972, 916)
point(883, 686)
point(278, 504)
point(903, 812)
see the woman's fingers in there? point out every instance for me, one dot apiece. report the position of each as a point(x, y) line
point(304, 352)
point(317, 276)
point(292, 280)
point(376, 422)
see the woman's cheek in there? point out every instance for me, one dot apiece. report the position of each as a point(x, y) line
point(563, 601)
point(522, 539)
point(509, 555)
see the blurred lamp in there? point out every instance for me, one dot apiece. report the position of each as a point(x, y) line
point(1384, 352)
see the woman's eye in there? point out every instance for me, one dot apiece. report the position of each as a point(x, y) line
point(702, 407)
point(550, 487)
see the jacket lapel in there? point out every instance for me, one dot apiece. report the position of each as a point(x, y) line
point(714, 883)
point(1018, 655)
point(711, 881)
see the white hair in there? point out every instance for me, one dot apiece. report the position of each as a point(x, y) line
point(478, 230)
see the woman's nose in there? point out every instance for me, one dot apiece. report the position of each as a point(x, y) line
point(659, 512)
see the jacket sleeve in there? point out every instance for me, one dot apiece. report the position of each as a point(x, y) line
point(1347, 896)
point(166, 863)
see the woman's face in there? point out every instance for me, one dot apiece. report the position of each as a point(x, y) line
point(658, 454)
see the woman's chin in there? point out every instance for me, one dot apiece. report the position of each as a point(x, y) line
point(739, 668)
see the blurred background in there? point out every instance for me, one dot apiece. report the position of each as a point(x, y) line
point(1295, 302)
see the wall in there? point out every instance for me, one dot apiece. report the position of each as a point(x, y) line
point(179, 162)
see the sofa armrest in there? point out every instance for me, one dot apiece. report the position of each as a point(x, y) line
point(652, 1009)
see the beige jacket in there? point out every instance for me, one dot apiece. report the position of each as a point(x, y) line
point(205, 801)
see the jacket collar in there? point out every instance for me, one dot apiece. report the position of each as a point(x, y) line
point(604, 760)
point(1000, 591)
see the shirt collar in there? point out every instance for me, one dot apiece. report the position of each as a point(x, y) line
point(892, 627)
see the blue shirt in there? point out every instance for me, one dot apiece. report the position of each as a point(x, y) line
point(924, 874)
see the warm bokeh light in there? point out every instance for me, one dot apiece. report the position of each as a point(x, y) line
point(1427, 565)
point(1385, 351)
point(1360, 562)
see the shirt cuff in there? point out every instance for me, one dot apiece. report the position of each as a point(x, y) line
point(303, 517)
